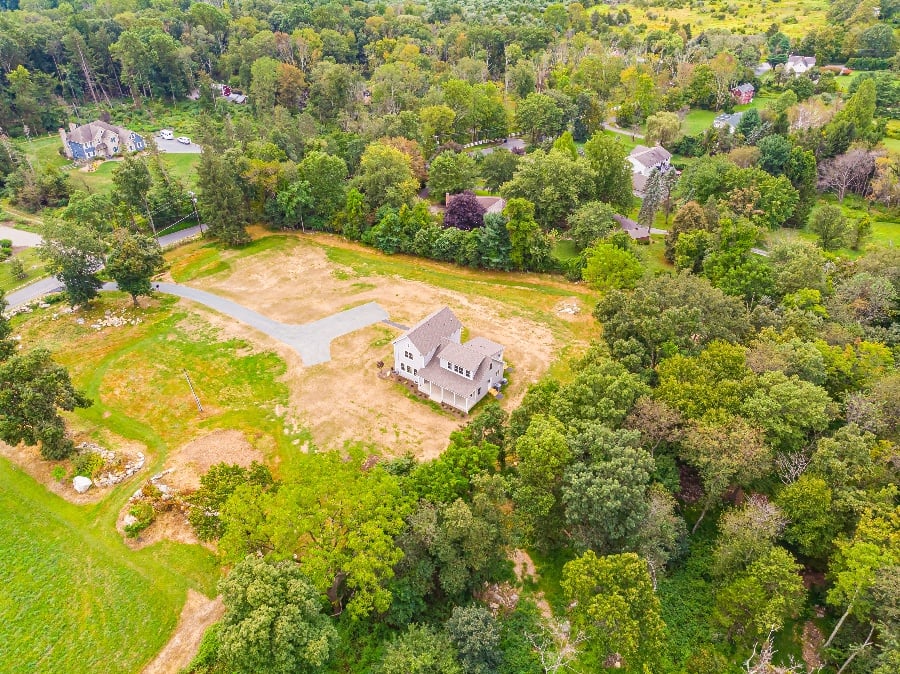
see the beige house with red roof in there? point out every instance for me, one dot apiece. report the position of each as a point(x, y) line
point(432, 355)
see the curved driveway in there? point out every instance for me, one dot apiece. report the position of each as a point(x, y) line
point(311, 340)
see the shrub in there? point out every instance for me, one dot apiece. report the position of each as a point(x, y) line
point(87, 464)
point(58, 473)
point(144, 514)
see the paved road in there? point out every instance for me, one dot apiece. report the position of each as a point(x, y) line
point(46, 286)
point(311, 340)
point(19, 237)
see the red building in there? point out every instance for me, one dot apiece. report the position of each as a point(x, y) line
point(743, 94)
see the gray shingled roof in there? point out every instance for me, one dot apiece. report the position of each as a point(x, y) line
point(428, 333)
point(450, 381)
point(460, 354)
point(86, 132)
point(650, 156)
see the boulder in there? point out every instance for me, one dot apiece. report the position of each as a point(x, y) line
point(81, 483)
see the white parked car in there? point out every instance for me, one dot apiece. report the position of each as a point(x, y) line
point(184, 140)
point(166, 134)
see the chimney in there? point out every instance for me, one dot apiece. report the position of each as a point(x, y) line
point(72, 127)
point(446, 199)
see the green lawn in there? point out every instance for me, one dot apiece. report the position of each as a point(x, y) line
point(75, 597)
point(885, 225)
point(565, 250)
point(44, 152)
point(34, 267)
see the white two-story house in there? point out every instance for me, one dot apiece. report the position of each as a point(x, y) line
point(432, 355)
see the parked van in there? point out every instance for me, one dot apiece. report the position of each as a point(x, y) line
point(167, 134)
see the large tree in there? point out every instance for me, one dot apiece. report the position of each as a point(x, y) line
point(669, 315)
point(273, 621)
point(33, 389)
point(74, 254)
point(385, 177)
point(554, 182)
point(613, 602)
point(608, 157)
point(221, 199)
point(605, 491)
point(451, 173)
point(132, 261)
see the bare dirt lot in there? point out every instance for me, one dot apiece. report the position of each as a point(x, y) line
point(344, 400)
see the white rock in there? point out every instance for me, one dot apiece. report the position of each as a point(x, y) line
point(129, 519)
point(81, 483)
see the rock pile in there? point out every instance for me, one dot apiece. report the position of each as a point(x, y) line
point(499, 597)
point(112, 320)
point(113, 471)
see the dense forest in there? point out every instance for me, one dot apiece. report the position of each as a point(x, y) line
point(710, 488)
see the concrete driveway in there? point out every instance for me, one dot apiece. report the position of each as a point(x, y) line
point(19, 238)
point(174, 147)
point(311, 340)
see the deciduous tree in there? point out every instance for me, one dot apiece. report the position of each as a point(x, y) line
point(132, 261)
point(273, 620)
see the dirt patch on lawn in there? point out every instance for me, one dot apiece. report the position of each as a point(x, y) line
point(192, 460)
point(344, 400)
point(29, 459)
point(171, 525)
point(198, 614)
point(181, 474)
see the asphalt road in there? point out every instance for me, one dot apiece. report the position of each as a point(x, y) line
point(19, 237)
point(46, 286)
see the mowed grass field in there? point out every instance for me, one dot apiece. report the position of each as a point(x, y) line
point(75, 598)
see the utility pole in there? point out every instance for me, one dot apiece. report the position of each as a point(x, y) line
point(193, 393)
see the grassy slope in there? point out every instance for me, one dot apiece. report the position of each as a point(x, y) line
point(76, 598)
point(794, 17)
point(33, 265)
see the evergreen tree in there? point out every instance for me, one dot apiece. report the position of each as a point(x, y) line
point(221, 200)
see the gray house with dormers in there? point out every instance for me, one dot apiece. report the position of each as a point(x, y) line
point(432, 355)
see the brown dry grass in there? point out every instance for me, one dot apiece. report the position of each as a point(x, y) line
point(344, 400)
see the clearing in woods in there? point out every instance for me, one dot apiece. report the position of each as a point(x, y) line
point(113, 606)
point(297, 279)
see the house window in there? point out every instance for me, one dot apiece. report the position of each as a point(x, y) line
point(490, 366)
point(416, 372)
point(468, 374)
point(479, 390)
point(402, 367)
